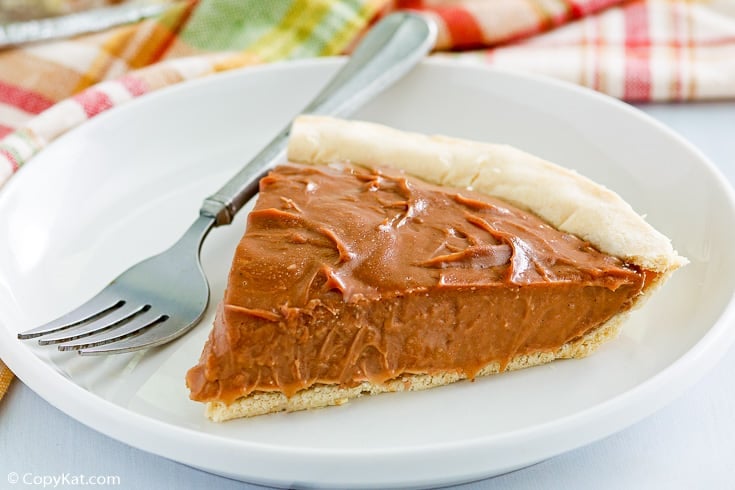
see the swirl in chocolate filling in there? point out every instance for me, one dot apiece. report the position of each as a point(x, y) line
point(349, 274)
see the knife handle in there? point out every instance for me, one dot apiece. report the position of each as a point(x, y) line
point(17, 33)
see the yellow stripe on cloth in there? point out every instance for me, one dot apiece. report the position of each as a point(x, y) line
point(6, 376)
point(347, 35)
point(295, 27)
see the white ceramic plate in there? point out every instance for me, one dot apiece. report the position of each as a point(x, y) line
point(126, 184)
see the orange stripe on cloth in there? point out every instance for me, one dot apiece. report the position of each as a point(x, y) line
point(462, 26)
point(5, 130)
point(6, 376)
point(237, 60)
point(109, 53)
point(152, 49)
point(141, 47)
point(163, 36)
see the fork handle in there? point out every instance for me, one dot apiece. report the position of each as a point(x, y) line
point(389, 50)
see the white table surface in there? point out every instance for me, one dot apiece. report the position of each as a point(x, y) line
point(690, 444)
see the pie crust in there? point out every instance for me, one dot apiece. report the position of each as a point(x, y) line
point(564, 199)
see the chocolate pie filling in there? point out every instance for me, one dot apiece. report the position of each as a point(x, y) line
point(347, 275)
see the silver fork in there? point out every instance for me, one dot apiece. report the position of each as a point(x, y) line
point(162, 297)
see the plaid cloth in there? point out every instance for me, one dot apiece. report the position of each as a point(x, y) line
point(639, 50)
point(5, 378)
point(644, 50)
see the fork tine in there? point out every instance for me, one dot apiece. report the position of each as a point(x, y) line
point(162, 334)
point(137, 324)
point(98, 306)
point(111, 319)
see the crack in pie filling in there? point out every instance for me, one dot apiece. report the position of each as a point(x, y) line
point(378, 260)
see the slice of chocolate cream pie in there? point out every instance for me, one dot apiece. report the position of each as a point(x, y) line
point(379, 261)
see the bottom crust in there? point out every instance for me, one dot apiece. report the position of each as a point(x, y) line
point(261, 403)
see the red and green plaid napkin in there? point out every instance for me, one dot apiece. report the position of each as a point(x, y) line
point(639, 50)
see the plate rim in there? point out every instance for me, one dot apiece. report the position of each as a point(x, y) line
point(653, 393)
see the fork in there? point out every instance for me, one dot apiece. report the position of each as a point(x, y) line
point(164, 296)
